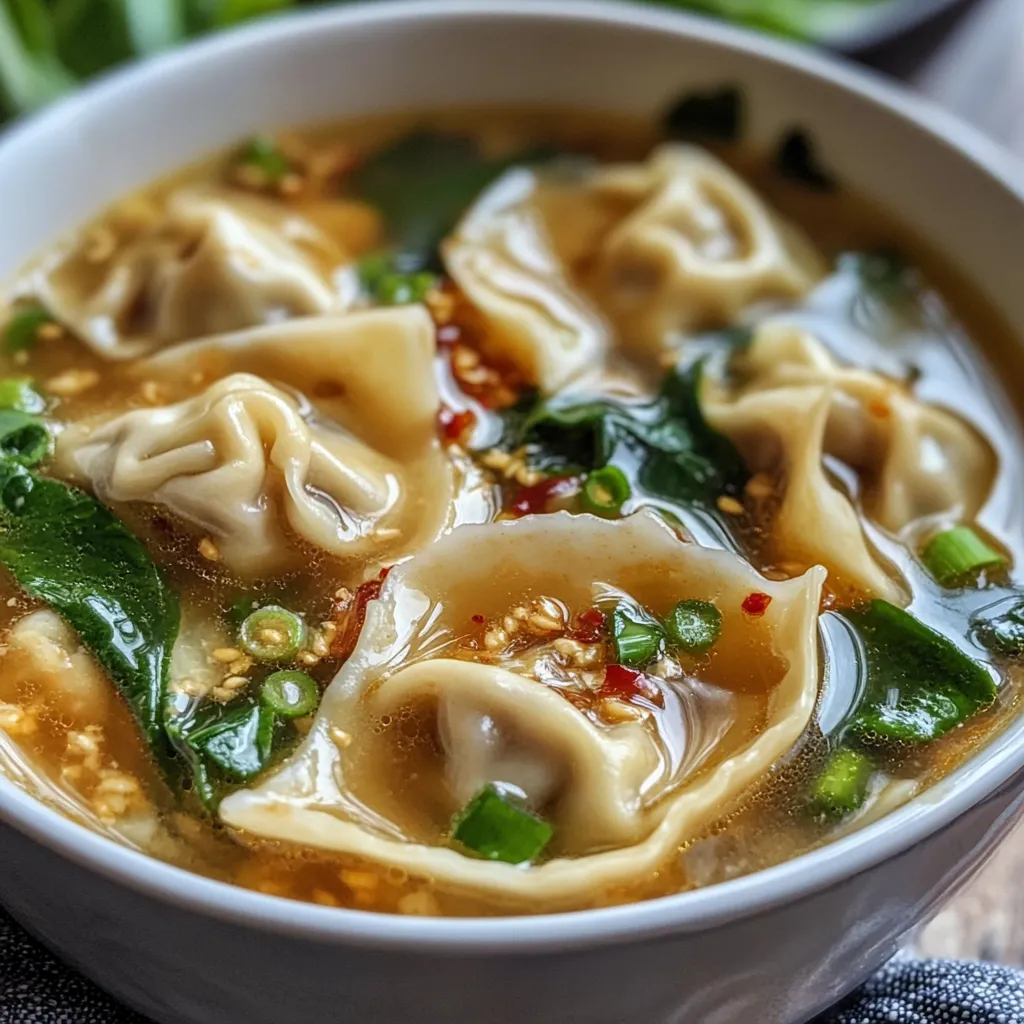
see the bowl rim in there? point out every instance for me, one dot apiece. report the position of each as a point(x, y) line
point(702, 909)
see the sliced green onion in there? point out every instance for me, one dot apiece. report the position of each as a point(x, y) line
point(21, 332)
point(843, 784)
point(389, 286)
point(23, 437)
point(264, 154)
point(272, 634)
point(694, 626)
point(290, 694)
point(605, 491)
point(956, 553)
point(637, 637)
point(492, 827)
point(18, 393)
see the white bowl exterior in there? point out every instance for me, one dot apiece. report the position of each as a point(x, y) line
point(774, 947)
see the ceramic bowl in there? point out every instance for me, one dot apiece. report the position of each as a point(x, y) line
point(772, 948)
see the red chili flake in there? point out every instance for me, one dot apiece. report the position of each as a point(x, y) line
point(589, 627)
point(350, 614)
point(383, 574)
point(629, 684)
point(536, 499)
point(453, 424)
point(756, 603)
point(478, 619)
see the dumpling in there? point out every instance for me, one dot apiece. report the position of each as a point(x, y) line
point(794, 404)
point(207, 263)
point(676, 244)
point(417, 721)
point(501, 257)
point(334, 443)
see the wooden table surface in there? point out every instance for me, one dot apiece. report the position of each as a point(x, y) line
point(973, 63)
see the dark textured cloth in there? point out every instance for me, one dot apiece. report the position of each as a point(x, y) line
point(35, 988)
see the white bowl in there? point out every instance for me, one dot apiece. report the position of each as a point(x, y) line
point(774, 947)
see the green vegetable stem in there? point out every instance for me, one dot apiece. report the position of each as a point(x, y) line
point(493, 827)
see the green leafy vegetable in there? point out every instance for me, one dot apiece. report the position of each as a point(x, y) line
point(714, 116)
point(237, 738)
point(290, 694)
point(694, 626)
point(954, 555)
point(843, 784)
point(65, 548)
point(919, 684)
point(796, 160)
point(22, 330)
point(492, 827)
point(422, 184)
point(605, 491)
point(1000, 627)
point(636, 636)
point(19, 393)
point(23, 437)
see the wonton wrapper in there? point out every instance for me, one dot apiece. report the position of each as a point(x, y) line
point(501, 257)
point(211, 262)
point(798, 404)
point(609, 782)
point(358, 473)
point(676, 244)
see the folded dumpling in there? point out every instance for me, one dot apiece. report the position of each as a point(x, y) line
point(791, 404)
point(432, 706)
point(676, 244)
point(501, 257)
point(332, 443)
point(206, 263)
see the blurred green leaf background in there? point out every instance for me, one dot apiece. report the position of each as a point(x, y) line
point(48, 46)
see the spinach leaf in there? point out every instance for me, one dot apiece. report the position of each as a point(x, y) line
point(23, 437)
point(422, 183)
point(64, 547)
point(224, 745)
point(796, 160)
point(715, 116)
point(919, 684)
point(666, 444)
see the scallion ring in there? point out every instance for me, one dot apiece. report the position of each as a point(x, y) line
point(290, 694)
point(605, 491)
point(23, 437)
point(694, 626)
point(272, 633)
point(637, 638)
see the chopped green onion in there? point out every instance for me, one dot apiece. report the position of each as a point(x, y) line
point(272, 634)
point(843, 784)
point(694, 626)
point(956, 553)
point(263, 154)
point(389, 286)
point(492, 827)
point(290, 694)
point(18, 393)
point(22, 329)
point(1003, 633)
point(605, 491)
point(23, 437)
point(637, 637)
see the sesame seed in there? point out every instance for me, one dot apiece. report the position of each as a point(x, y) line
point(729, 505)
point(209, 550)
point(72, 382)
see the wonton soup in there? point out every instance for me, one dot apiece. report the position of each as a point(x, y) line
point(500, 511)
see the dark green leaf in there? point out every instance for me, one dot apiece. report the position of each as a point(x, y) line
point(492, 827)
point(714, 116)
point(92, 35)
point(236, 738)
point(65, 548)
point(24, 438)
point(919, 684)
point(796, 160)
point(694, 626)
point(1000, 627)
point(423, 183)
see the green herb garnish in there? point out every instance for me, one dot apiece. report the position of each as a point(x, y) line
point(20, 394)
point(290, 694)
point(796, 160)
point(265, 156)
point(636, 636)
point(22, 330)
point(713, 116)
point(694, 626)
point(956, 554)
point(1000, 628)
point(842, 786)
point(919, 684)
point(272, 634)
point(605, 491)
point(493, 827)
point(388, 286)
point(24, 438)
